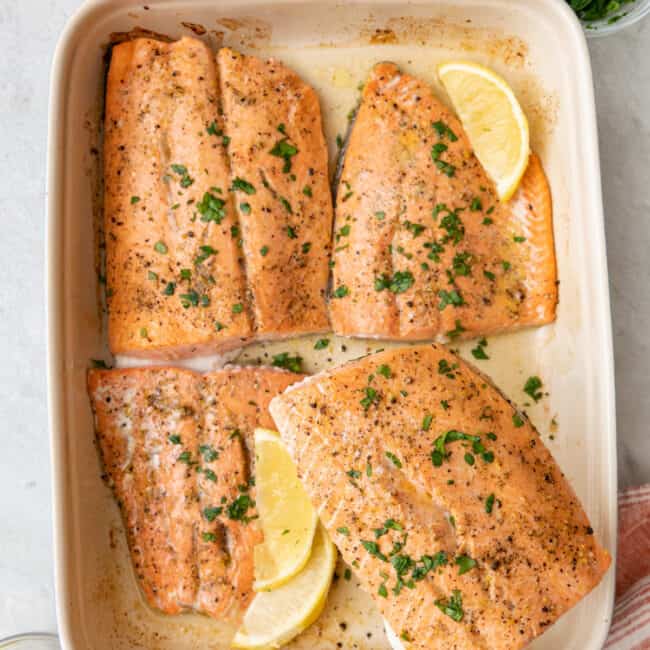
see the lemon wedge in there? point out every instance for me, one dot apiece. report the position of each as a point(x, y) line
point(287, 517)
point(493, 119)
point(275, 617)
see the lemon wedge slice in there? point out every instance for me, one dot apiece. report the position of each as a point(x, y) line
point(287, 517)
point(493, 119)
point(275, 617)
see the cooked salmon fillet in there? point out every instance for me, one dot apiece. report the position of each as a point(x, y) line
point(175, 448)
point(443, 498)
point(278, 158)
point(423, 248)
point(175, 283)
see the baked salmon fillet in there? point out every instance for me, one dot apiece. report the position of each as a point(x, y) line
point(175, 449)
point(423, 248)
point(278, 158)
point(442, 497)
point(174, 274)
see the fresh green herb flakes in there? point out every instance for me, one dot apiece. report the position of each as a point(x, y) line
point(284, 360)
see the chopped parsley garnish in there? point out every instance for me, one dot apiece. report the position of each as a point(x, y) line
point(394, 459)
point(461, 264)
point(291, 233)
point(152, 276)
point(452, 297)
point(174, 438)
point(169, 289)
point(476, 205)
point(489, 275)
point(344, 530)
point(186, 274)
point(517, 420)
point(382, 591)
point(384, 371)
point(452, 223)
point(368, 469)
point(219, 326)
point(321, 344)
point(212, 129)
point(452, 607)
point(489, 503)
point(457, 331)
point(426, 422)
point(264, 250)
point(469, 458)
point(400, 282)
point(372, 397)
point(189, 299)
point(344, 231)
point(206, 251)
point(488, 221)
point(373, 549)
point(347, 574)
point(479, 351)
point(444, 404)
point(284, 360)
point(143, 332)
point(239, 507)
point(532, 387)
point(380, 216)
point(208, 537)
point(237, 308)
point(340, 292)
point(306, 247)
point(446, 168)
point(339, 141)
point(519, 239)
point(415, 228)
point(465, 564)
point(211, 208)
point(307, 191)
point(442, 129)
point(161, 247)
point(445, 369)
point(212, 513)
point(286, 205)
point(209, 474)
point(185, 457)
point(210, 454)
point(135, 199)
point(505, 265)
point(181, 170)
point(245, 208)
point(354, 473)
point(243, 186)
point(285, 150)
point(440, 453)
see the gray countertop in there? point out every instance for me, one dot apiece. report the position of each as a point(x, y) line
point(29, 30)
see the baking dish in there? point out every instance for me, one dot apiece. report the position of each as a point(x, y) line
point(539, 47)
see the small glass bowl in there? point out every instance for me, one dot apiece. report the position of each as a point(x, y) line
point(31, 641)
point(627, 15)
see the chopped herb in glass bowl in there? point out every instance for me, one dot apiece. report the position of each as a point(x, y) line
point(602, 17)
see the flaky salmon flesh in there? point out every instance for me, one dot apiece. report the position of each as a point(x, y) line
point(217, 210)
point(177, 449)
point(422, 247)
point(442, 497)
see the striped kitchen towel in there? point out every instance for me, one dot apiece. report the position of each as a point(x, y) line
point(631, 623)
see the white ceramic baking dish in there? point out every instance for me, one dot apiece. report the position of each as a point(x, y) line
point(539, 47)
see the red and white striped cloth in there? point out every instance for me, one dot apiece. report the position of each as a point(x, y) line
point(631, 624)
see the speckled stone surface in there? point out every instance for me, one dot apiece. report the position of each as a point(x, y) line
point(28, 33)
